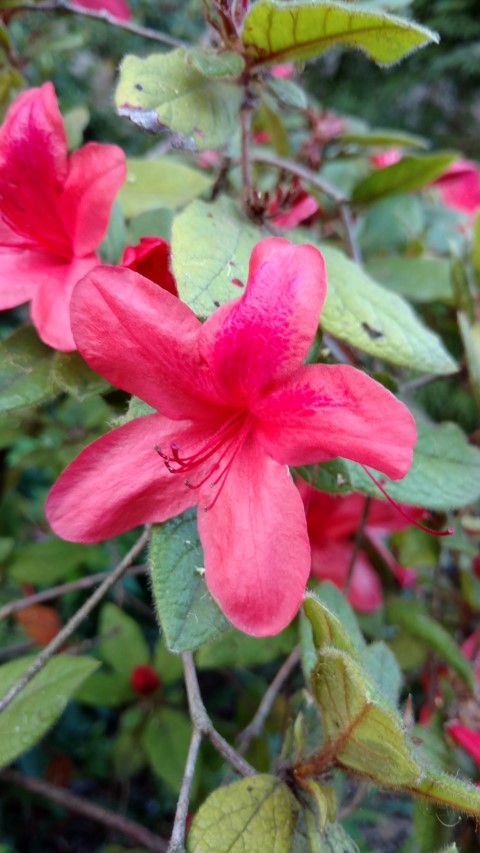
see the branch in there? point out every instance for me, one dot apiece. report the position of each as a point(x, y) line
point(82, 806)
point(258, 721)
point(302, 172)
point(102, 15)
point(60, 589)
point(348, 225)
point(42, 659)
point(178, 833)
point(203, 724)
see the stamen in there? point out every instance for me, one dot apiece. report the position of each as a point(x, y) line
point(448, 532)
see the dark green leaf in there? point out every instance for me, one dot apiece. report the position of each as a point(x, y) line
point(26, 370)
point(408, 175)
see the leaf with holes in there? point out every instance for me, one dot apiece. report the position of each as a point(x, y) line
point(280, 31)
point(164, 93)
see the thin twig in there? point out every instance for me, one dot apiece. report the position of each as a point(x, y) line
point(61, 589)
point(258, 721)
point(177, 840)
point(202, 722)
point(356, 546)
point(84, 807)
point(302, 172)
point(245, 140)
point(76, 620)
point(101, 15)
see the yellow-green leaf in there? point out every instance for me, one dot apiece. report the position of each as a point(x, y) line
point(257, 814)
point(164, 93)
point(278, 31)
point(326, 627)
point(162, 182)
point(408, 175)
point(366, 734)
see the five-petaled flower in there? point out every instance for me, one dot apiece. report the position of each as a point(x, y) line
point(235, 407)
point(54, 211)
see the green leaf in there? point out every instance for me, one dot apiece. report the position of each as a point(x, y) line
point(367, 735)
point(384, 138)
point(280, 31)
point(333, 840)
point(476, 247)
point(288, 93)
point(187, 613)
point(327, 628)
point(237, 649)
point(408, 175)
point(50, 560)
point(165, 740)
point(124, 645)
point(382, 667)
point(36, 708)
point(417, 279)
point(164, 93)
point(255, 814)
point(412, 616)
point(160, 183)
point(357, 310)
point(168, 666)
point(364, 314)
point(210, 63)
point(391, 224)
point(26, 370)
point(105, 688)
point(444, 474)
point(336, 602)
point(73, 375)
point(205, 266)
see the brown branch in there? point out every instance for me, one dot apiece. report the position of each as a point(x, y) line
point(302, 172)
point(258, 721)
point(102, 15)
point(177, 840)
point(202, 722)
point(60, 589)
point(349, 228)
point(44, 656)
point(84, 807)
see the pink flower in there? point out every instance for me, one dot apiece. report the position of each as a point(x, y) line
point(283, 70)
point(151, 258)
point(332, 521)
point(386, 158)
point(54, 211)
point(460, 186)
point(118, 8)
point(235, 407)
point(466, 737)
point(296, 207)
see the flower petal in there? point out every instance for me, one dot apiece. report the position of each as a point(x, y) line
point(257, 556)
point(33, 167)
point(20, 273)
point(330, 562)
point(95, 174)
point(143, 340)
point(264, 335)
point(50, 308)
point(325, 411)
point(118, 8)
point(151, 258)
point(120, 481)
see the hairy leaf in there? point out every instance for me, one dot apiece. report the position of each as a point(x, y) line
point(26, 370)
point(160, 183)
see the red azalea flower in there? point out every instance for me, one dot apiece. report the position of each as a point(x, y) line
point(54, 211)
point(144, 679)
point(386, 158)
point(151, 258)
point(460, 186)
point(118, 8)
point(332, 521)
point(467, 738)
point(237, 406)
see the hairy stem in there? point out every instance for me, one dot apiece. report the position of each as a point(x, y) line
point(44, 656)
point(84, 807)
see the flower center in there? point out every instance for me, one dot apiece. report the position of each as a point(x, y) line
point(214, 458)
